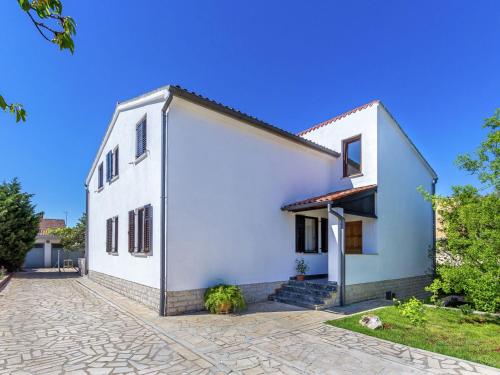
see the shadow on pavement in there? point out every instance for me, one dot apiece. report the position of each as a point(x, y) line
point(46, 273)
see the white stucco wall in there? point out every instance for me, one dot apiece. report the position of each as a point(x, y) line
point(404, 223)
point(138, 184)
point(226, 183)
point(362, 123)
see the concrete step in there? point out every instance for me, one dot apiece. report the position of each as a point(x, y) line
point(297, 302)
point(307, 284)
point(309, 291)
point(306, 298)
point(308, 294)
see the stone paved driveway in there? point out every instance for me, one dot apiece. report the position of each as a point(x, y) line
point(53, 324)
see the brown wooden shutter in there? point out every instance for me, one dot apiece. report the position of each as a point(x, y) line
point(144, 136)
point(354, 237)
point(131, 231)
point(300, 233)
point(148, 221)
point(116, 235)
point(116, 158)
point(109, 234)
point(324, 235)
point(140, 230)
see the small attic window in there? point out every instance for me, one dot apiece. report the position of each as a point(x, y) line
point(351, 156)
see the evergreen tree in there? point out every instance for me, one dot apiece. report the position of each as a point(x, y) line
point(18, 225)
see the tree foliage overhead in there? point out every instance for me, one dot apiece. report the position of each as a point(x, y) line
point(486, 163)
point(18, 225)
point(53, 26)
point(72, 238)
point(471, 226)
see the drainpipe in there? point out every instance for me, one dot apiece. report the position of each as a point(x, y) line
point(163, 210)
point(341, 220)
point(434, 261)
point(86, 229)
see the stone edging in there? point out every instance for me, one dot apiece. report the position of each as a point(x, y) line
point(5, 281)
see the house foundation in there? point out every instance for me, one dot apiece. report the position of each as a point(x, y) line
point(403, 288)
point(177, 302)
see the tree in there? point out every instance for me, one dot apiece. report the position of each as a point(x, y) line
point(46, 16)
point(471, 225)
point(18, 225)
point(72, 238)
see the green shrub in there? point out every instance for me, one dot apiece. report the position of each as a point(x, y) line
point(466, 309)
point(224, 298)
point(413, 310)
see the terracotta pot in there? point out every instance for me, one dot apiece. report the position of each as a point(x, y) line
point(224, 308)
point(300, 277)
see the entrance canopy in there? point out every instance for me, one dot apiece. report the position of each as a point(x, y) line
point(355, 201)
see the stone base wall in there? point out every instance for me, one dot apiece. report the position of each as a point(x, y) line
point(183, 301)
point(146, 295)
point(177, 302)
point(403, 288)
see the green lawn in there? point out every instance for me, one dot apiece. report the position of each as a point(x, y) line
point(445, 332)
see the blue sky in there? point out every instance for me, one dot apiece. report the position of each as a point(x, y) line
point(434, 64)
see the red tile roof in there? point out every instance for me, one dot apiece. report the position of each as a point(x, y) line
point(330, 196)
point(46, 224)
point(338, 117)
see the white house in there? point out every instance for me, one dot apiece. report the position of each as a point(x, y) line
point(47, 250)
point(185, 193)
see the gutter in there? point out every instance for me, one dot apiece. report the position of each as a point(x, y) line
point(86, 229)
point(434, 250)
point(163, 210)
point(341, 220)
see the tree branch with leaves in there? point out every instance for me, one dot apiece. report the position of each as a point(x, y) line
point(48, 19)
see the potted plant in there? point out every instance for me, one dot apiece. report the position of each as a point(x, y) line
point(301, 267)
point(223, 299)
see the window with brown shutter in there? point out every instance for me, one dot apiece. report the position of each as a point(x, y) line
point(324, 235)
point(354, 237)
point(115, 248)
point(140, 138)
point(140, 230)
point(116, 162)
point(299, 233)
point(100, 176)
point(306, 234)
point(131, 231)
point(147, 228)
point(109, 234)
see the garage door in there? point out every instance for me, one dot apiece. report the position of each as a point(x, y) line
point(34, 258)
point(64, 254)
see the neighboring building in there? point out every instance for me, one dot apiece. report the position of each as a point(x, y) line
point(185, 193)
point(47, 249)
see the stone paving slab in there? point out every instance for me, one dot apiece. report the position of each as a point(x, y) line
point(49, 324)
point(53, 324)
